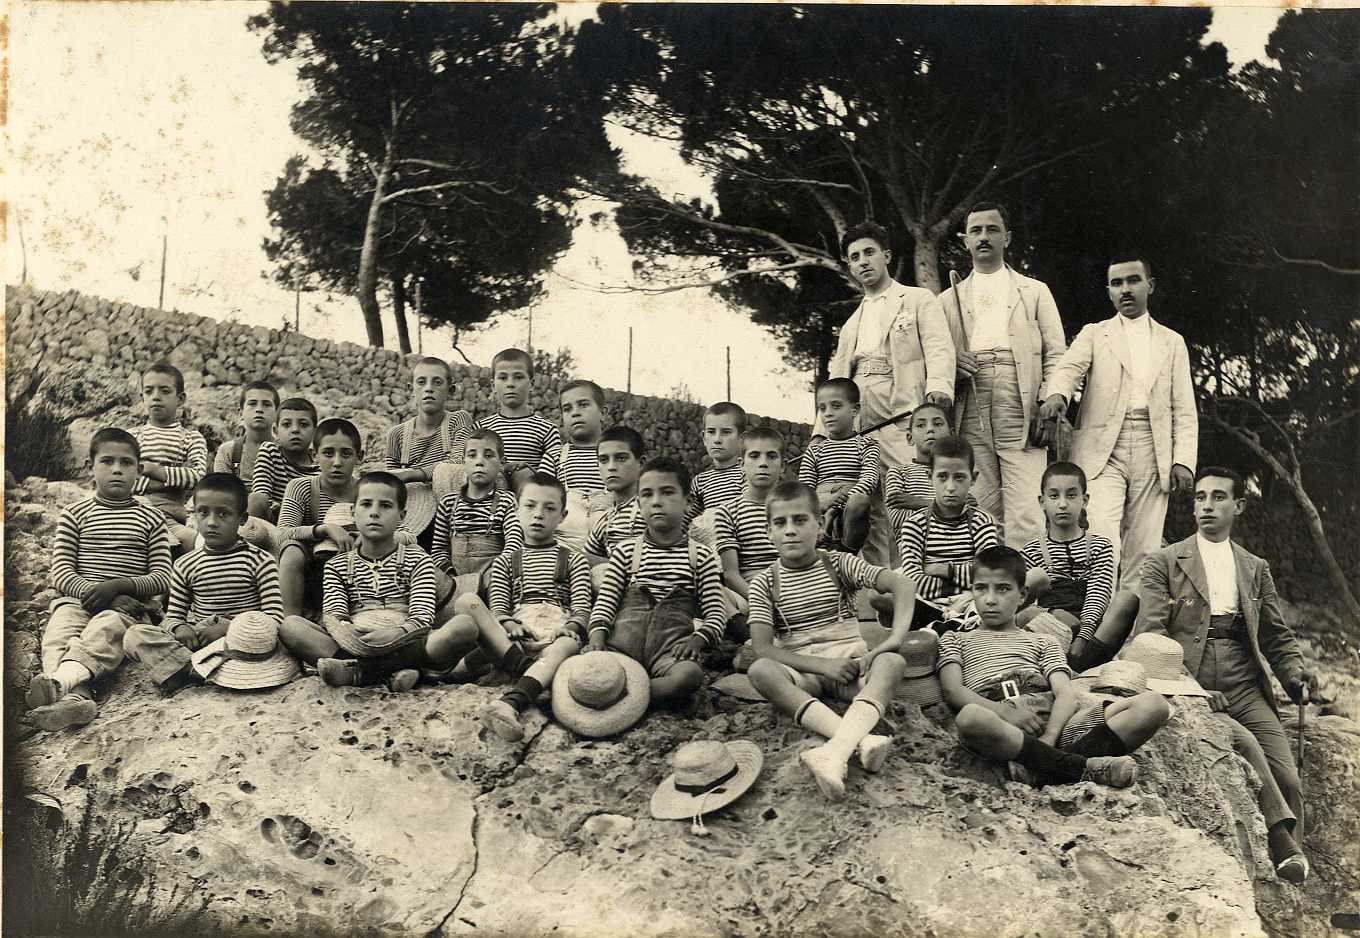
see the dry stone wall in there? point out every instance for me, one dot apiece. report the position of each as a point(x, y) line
point(73, 331)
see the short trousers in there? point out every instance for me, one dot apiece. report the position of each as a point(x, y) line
point(648, 630)
point(843, 648)
point(542, 620)
point(1090, 714)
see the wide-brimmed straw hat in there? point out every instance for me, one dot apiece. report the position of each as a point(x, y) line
point(1163, 661)
point(600, 693)
point(921, 651)
point(341, 513)
point(708, 775)
point(420, 505)
point(1116, 679)
point(447, 478)
point(249, 657)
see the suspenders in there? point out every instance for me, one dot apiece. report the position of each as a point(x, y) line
point(561, 577)
point(827, 565)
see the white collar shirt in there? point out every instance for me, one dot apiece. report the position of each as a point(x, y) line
point(1138, 337)
point(875, 316)
point(1220, 569)
point(991, 310)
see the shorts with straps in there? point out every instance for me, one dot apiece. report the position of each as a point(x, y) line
point(648, 629)
point(471, 555)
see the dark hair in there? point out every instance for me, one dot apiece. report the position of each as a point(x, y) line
point(224, 483)
point(439, 362)
point(1063, 469)
point(988, 207)
point(769, 434)
point(114, 435)
point(482, 433)
point(339, 425)
point(259, 386)
point(297, 403)
point(1129, 256)
point(865, 229)
point(1239, 484)
point(626, 435)
point(953, 447)
point(163, 367)
point(548, 481)
point(383, 477)
point(513, 355)
point(669, 466)
point(931, 405)
point(728, 409)
point(1004, 559)
point(850, 388)
point(792, 491)
point(596, 391)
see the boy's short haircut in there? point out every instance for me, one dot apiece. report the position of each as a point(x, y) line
point(548, 481)
point(762, 434)
point(260, 386)
point(666, 464)
point(728, 409)
point(1063, 469)
point(163, 367)
point(339, 425)
point(482, 433)
point(931, 405)
point(513, 355)
point(626, 435)
point(1129, 257)
point(1239, 484)
point(596, 391)
point(865, 229)
point(793, 491)
point(845, 385)
point(224, 483)
point(953, 447)
point(438, 363)
point(989, 207)
point(383, 477)
point(297, 403)
point(114, 435)
point(1003, 559)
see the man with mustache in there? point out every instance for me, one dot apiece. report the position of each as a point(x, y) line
point(1008, 338)
point(1137, 436)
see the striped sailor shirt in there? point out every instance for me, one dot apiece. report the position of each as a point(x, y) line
point(273, 471)
point(913, 480)
point(661, 569)
point(525, 440)
point(854, 459)
point(179, 449)
point(987, 654)
point(716, 487)
point(928, 537)
point(98, 540)
point(621, 523)
point(408, 450)
point(579, 472)
point(741, 526)
point(809, 598)
point(204, 582)
point(538, 583)
point(406, 575)
point(1089, 558)
point(456, 514)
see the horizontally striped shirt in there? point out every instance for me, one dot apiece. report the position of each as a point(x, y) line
point(1089, 558)
point(913, 479)
point(353, 582)
point(538, 583)
point(809, 599)
point(408, 450)
point(582, 470)
point(987, 654)
point(661, 569)
point(854, 459)
point(297, 514)
point(180, 450)
point(525, 439)
point(716, 487)
point(741, 526)
point(926, 537)
point(621, 523)
point(98, 540)
point(456, 514)
point(204, 582)
point(273, 471)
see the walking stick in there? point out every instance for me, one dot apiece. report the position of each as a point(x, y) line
point(1298, 762)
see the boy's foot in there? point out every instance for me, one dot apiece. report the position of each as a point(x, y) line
point(1115, 771)
point(43, 691)
point(1018, 773)
point(338, 672)
point(71, 710)
point(501, 718)
point(184, 677)
point(827, 770)
point(403, 680)
point(1293, 869)
point(873, 750)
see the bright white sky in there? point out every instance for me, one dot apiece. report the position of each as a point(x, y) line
point(129, 121)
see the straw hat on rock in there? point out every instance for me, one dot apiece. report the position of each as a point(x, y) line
point(249, 657)
point(708, 775)
point(420, 505)
point(1163, 661)
point(600, 693)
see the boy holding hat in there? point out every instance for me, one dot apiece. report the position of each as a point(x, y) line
point(807, 639)
point(249, 657)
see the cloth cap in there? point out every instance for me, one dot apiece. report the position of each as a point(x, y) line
point(708, 775)
point(600, 693)
point(249, 657)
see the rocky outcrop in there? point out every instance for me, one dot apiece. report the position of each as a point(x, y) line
point(312, 810)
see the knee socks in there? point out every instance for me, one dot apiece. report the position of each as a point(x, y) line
point(515, 662)
point(1049, 763)
point(524, 693)
point(1100, 741)
point(71, 674)
point(818, 718)
point(858, 722)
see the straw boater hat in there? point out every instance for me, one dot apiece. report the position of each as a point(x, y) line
point(708, 775)
point(921, 650)
point(420, 504)
point(1116, 679)
point(600, 693)
point(249, 657)
point(1162, 659)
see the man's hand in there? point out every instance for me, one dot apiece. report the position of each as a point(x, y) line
point(336, 532)
point(1027, 721)
point(691, 648)
point(129, 606)
point(966, 363)
point(1182, 480)
point(596, 642)
point(1052, 408)
point(1218, 701)
point(941, 399)
point(840, 670)
point(103, 595)
point(1298, 682)
point(938, 569)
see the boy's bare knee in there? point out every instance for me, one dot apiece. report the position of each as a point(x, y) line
point(973, 720)
point(765, 673)
point(689, 675)
point(292, 561)
point(460, 629)
point(1153, 707)
point(889, 663)
point(467, 604)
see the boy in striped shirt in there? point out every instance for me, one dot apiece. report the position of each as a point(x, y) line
point(173, 456)
point(474, 525)
point(908, 489)
point(724, 423)
point(576, 463)
point(286, 457)
point(808, 643)
point(208, 587)
point(841, 467)
point(1013, 694)
point(110, 564)
point(654, 587)
point(259, 406)
point(527, 436)
point(620, 460)
point(741, 533)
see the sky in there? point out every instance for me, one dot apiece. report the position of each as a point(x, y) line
point(133, 122)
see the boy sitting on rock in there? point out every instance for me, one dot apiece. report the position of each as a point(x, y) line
point(286, 457)
point(841, 467)
point(173, 456)
point(808, 644)
point(110, 563)
point(475, 524)
point(208, 587)
point(1013, 693)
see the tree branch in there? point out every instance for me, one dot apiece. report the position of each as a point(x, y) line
point(1314, 262)
point(439, 186)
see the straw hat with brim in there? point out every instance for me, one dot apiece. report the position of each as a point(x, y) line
point(708, 775)
point(447, 478)
point(341, 513)
point(921, 651)
point(1116, 679)
point(600, 693)
point(420, 504)
point(1162, 659)
point(249, 657)
point(738, 686)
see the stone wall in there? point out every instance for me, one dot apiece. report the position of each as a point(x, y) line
point(81, 333)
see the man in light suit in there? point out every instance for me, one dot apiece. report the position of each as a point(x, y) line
point(1008, 338)
point(1219, 601)
point(1137, 435)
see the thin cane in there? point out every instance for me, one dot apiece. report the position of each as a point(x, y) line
point(1298, 761)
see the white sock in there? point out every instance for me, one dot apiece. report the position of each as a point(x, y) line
point(857, 723)
point(820, 719)
point(70, 675)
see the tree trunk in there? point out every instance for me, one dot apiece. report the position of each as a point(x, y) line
point(368, 257)
point(927, 261)
point(399, 311)
point(826, 337)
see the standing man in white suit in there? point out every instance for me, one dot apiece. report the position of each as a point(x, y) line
point(1137, 436)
